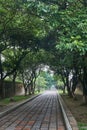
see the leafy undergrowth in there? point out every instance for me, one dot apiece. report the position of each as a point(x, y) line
point(78, 110)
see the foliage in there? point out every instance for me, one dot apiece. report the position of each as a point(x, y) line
point(33, 33)
point(41, 83)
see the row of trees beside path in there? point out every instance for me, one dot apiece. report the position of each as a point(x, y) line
point(39, 32)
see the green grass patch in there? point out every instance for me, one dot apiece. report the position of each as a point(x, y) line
point(6, 101)
point(19, 98)
point(82, 126)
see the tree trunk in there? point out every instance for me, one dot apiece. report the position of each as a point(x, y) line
point(85, 85)
point(14, 85)
point(74, 84)
point(29, 89)
point(34, 85)
point(63, 83)
point(2, 89)
point(68, 87)
point(25, 90)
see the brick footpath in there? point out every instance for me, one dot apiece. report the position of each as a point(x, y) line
point(42, 113)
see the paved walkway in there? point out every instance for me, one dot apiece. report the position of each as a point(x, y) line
point(42, 113)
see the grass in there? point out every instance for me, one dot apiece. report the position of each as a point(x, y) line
point(19, 98)
point(82, 126)
point(6, 101)
point(79, 111)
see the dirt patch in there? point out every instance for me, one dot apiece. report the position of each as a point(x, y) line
point(78, 110)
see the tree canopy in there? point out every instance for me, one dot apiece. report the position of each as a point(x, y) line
point(54, 33)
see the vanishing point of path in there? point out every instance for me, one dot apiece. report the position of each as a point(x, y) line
point(42, 113)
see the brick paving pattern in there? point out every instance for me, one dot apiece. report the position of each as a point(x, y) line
point(42, 113)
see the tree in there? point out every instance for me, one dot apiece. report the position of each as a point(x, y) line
point(30, 69)
point(10, 62)
point(73, 41)
point(41, 83)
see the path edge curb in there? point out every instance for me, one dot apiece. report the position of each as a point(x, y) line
point(69, 120)
point(17, 105)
